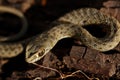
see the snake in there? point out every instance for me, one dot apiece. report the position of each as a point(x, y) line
point(72, 25)
point(8, 50)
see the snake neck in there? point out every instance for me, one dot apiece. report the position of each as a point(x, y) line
point(44, 42)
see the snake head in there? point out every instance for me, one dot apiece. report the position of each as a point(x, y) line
point(34, 53)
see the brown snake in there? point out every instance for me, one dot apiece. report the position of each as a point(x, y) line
point(72, 25)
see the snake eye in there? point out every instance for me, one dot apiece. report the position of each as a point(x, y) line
point(41, 53)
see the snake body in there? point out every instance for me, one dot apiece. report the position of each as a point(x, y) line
point(72, 25)
point(8, 50)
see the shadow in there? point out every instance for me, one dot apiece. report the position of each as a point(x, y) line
point(63, 47)
point(17, 63)
point(111, 52)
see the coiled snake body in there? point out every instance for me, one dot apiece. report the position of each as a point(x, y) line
point(72, 25)
point(8, 50)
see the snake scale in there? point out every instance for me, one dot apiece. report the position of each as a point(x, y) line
point(72, 25)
